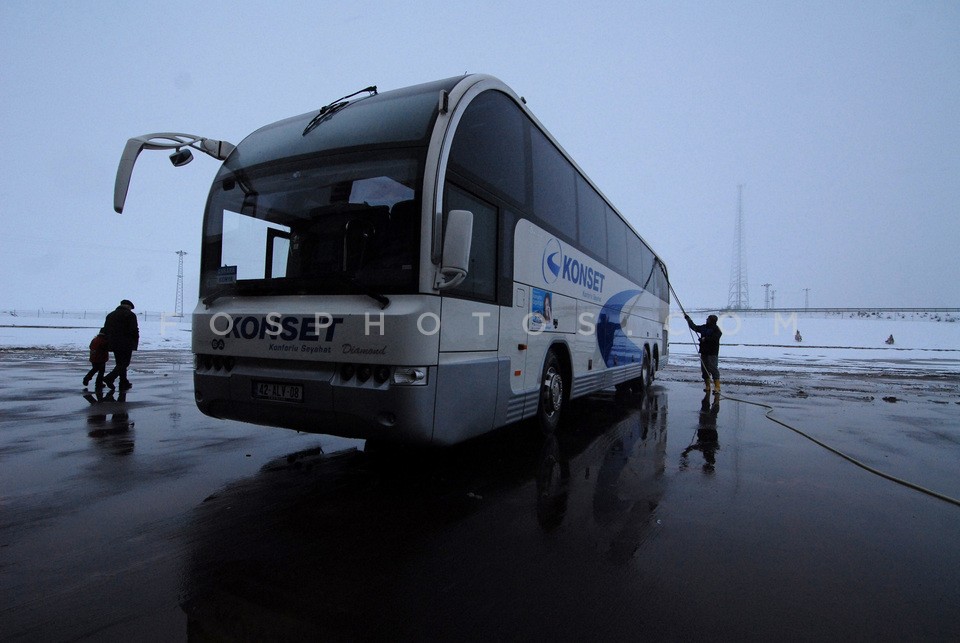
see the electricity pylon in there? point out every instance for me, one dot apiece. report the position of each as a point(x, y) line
point(178, 306)
point(739, 290)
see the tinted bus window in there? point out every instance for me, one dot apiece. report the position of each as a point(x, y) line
point(646, 267)
point(489, 146)
point(591, 220)
point(554, 186)
point(636, 263)
point(617, 233)
point(481, 281)
point(402, 116)
point(663, 285)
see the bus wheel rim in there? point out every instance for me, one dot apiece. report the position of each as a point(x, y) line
point(553, 394)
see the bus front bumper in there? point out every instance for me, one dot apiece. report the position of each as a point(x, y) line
point(315, 398)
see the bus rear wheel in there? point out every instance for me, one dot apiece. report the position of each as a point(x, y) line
point(551, 394)
point(647, 375)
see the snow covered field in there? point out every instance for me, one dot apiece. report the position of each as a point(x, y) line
point(753, 340)
point(759, 341)
point(73, 331)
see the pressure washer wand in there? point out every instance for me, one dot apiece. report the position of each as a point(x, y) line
point(681, 306)
point(695, 338)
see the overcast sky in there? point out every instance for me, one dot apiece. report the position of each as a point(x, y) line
point(841, 121)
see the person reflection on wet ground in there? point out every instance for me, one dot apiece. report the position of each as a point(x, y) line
point(114, 434)
point(708, 440)
point(630, 484)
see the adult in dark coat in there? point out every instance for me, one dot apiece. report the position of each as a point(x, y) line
point(709, 350)
point(123, 335)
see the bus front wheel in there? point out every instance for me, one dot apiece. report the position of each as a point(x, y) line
point(551, 394)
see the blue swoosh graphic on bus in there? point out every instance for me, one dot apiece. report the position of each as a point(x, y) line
point(552, 263)
point(616, 347)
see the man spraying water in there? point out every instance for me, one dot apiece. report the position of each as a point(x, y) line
point(709, 351)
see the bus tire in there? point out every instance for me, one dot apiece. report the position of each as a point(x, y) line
point(551, 394)
point(646, 377)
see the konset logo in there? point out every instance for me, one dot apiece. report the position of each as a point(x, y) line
point(552, 261)
point(555, 265)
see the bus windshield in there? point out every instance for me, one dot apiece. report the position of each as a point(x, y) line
point(331, 225)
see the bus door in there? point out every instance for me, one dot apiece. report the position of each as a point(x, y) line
point(469, 371)
point(514, 338)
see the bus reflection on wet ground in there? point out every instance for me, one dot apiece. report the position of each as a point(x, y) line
point(461, 542)
point(728, 529)
point(676, 517)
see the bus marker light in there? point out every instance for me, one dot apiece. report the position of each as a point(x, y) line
point(410, 375)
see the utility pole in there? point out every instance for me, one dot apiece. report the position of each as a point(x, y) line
point(806, 298)
point(739, 297)
point(178, 305)
point(766, 295)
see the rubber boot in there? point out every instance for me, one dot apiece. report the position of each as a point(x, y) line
point(706, 386)
point(716, 386)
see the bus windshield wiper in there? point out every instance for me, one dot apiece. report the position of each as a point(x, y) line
point(236, 288)
point(383, 300)
point(332, 108)
point(308, 285)
point(217, 294)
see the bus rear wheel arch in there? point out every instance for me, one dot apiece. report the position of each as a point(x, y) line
point(640, 385)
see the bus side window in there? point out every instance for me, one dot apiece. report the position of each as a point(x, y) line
point(591, 219)
point(489, 146)
point(635, 260)
point(481, 281)
point(554, 187)
point(617, 236)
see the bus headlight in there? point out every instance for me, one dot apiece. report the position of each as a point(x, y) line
point(363, 373)
point(381, 374)
point(410, 375)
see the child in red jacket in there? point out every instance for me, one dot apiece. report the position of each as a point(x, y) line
point(99, 354)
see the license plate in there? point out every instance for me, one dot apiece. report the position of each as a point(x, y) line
point(278, 391)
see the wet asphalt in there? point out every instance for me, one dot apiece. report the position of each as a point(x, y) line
point(676, 516)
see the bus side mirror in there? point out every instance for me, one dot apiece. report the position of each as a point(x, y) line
point(219, 150)
point(456, 249)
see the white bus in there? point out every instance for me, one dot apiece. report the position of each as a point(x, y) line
point(422, 265)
